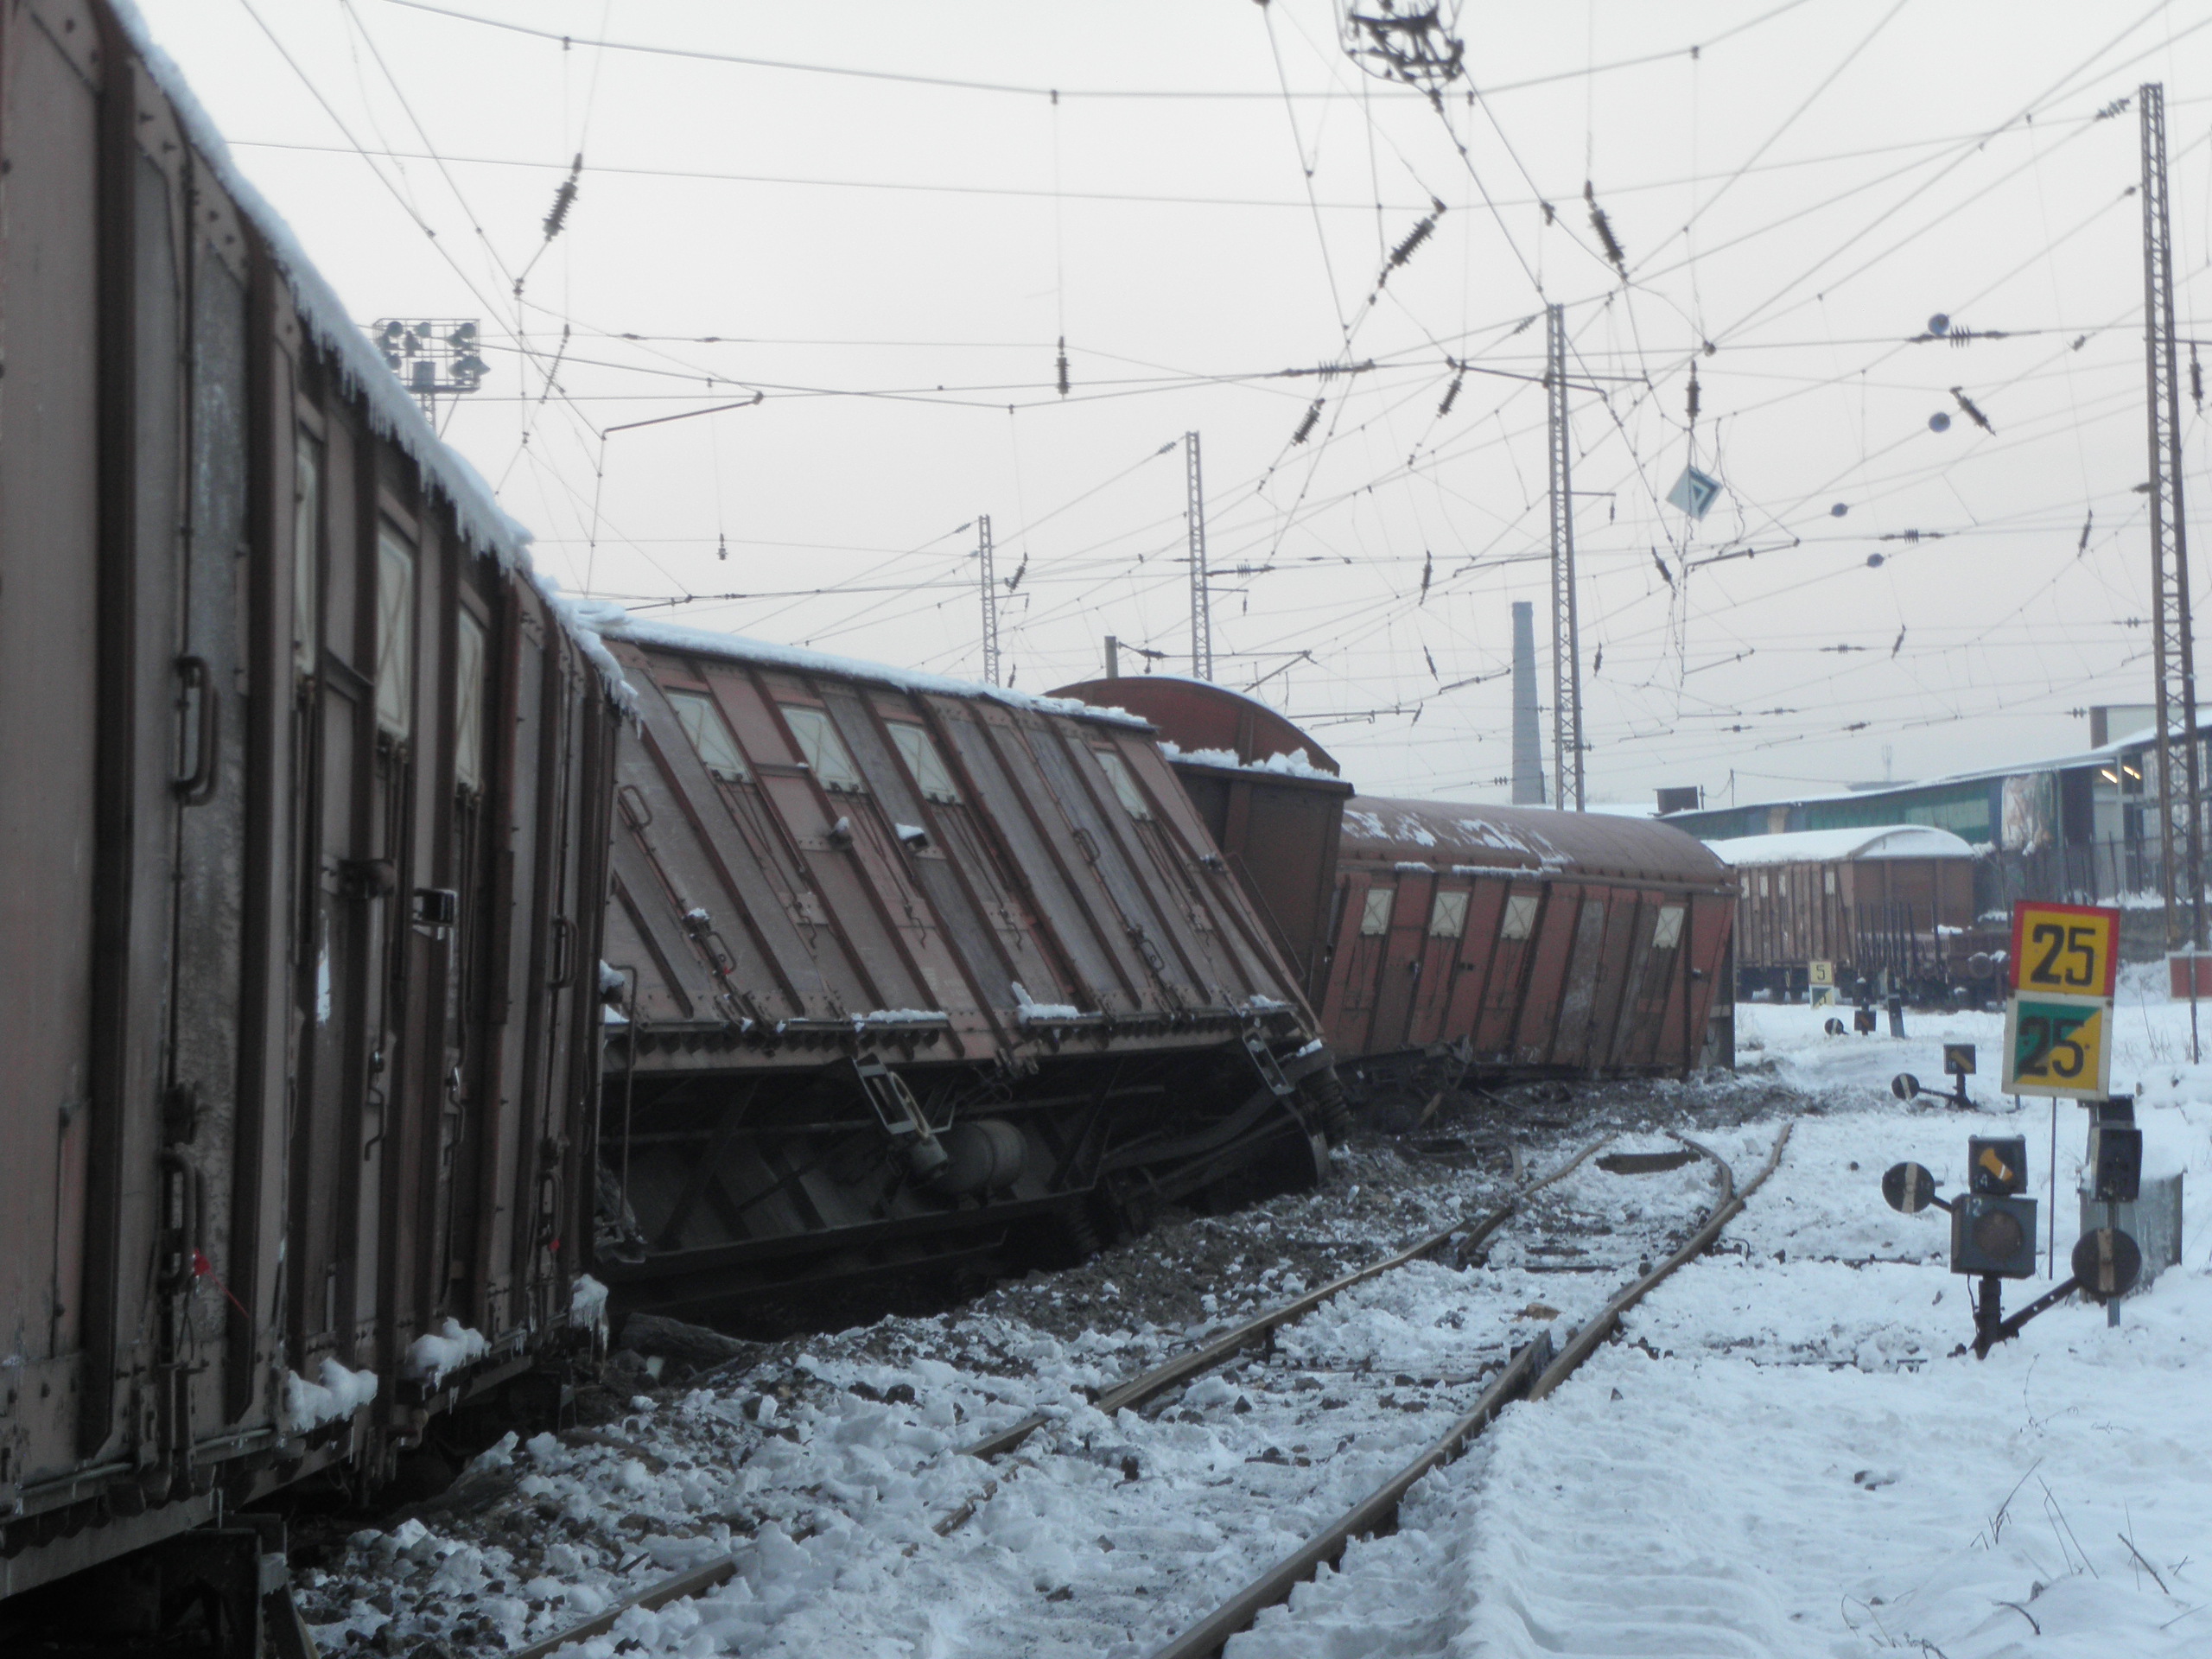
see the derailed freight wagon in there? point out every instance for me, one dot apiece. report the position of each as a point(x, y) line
point(1441, 941)
point(1892, 904)
point(915, 970)
point(303, 823)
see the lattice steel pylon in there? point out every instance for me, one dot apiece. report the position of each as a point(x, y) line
point(1201, 590)
point(2181, 834)
point(1566, 651)
point(990, 592)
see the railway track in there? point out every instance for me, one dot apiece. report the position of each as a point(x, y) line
point(1308, 1423)
point(1534, 1371)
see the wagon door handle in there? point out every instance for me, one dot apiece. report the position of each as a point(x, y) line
point(199, 785)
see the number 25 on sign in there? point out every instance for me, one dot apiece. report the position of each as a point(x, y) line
point(2057, 1045)
point(2065, 950)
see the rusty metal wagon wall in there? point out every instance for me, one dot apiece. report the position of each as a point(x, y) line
point(1516, 941)
point(1892, 904)
point(302, 822)
point(1440, 941)
point(912, 966)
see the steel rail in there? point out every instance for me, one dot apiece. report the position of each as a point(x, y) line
point(1532, 1373)
point(1149, 1385)
point(1135, 1391)
point(698, 1581)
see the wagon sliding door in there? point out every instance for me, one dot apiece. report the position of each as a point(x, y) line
point(338, 1120)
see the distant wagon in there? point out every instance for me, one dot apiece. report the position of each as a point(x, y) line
point(1892, 904)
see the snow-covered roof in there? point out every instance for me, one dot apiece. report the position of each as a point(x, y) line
point(1834, 846)
point(613, 622)
point(1490, 838)
point(1293, 766)
point(2104, 755)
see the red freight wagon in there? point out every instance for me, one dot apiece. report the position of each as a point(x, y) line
point(1892, 904)
point(1442, 940)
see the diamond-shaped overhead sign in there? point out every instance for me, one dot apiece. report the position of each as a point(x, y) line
point(1694, 493)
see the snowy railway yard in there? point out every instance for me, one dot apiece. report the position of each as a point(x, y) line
point(1781, 1451)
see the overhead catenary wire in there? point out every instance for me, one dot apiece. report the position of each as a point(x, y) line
point(1352, 469)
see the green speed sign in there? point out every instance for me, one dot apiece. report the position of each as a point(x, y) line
point(2058, 1046)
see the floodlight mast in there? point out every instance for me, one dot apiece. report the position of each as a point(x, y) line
point(433, 358)
point(2181, 833)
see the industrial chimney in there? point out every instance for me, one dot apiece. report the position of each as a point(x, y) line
point(1527, 748)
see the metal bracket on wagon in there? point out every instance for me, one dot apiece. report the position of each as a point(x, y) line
point(900, 1114)
point(1269, 1068)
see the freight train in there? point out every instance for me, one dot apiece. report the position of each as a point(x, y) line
point(398, 956)
point(1888, 906)
point(335, 845)
point(1441, 943)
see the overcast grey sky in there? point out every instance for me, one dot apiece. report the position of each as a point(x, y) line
point(890, 264)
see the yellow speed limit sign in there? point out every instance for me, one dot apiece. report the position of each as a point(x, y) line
point(2065, 950)
point(2058, 1046)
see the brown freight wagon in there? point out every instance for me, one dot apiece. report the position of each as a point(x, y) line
point(916, 969)
point(1440, 940)
point(302, 827)
point(1892, 904)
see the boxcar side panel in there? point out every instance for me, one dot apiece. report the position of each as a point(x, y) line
point(50, 689)
point(1505, 984)
point(1574, 1015)
point(1540, 1013)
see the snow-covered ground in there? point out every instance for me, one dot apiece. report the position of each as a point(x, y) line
point(1785, 1455)
point(1782, 1454)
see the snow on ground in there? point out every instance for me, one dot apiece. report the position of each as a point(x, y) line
point(1785, 1454)
point(831, 1466)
